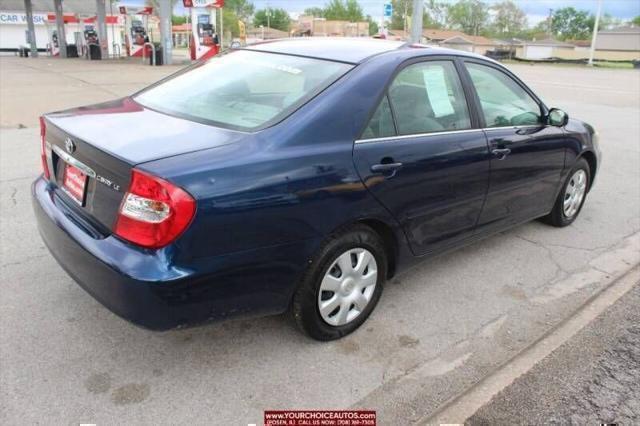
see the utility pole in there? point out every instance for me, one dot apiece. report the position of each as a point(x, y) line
point(406, 6)
point(113, 32)
point(31, 31)
point(101, 24)
point(221, 29)
point(550, 27)
point(62, 38)
point(416, 21)
point(595, 34)
point(165, 31)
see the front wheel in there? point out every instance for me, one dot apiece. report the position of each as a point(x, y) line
point(342, 285)
point(572, 197)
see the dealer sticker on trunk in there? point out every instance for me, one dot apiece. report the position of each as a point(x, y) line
point(74, 182)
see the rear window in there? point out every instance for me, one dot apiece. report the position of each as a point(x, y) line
point(243, 90)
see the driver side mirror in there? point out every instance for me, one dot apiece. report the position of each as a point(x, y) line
point(557, 117)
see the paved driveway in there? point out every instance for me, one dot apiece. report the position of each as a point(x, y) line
point(438, 328)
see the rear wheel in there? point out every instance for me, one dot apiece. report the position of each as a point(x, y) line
point(342, 285)
point(572, 197)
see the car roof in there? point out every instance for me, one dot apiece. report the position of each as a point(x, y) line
point(352, 50)
point(342, 49)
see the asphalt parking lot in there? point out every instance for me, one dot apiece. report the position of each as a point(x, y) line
point(438, 329)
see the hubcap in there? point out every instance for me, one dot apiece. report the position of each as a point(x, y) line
point(574, 193)
point(347, 287)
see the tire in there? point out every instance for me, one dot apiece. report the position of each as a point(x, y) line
point(559, 216)
point(324, 271)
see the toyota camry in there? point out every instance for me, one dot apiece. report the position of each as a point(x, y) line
point(298, 175)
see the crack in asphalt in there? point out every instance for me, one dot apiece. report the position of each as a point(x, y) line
point(24, 260)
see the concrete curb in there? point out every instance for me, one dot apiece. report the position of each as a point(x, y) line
point(464, 405)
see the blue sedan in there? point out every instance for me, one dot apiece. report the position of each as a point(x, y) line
point(298, 175)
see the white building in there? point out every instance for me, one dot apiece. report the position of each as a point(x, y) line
point(78, 16)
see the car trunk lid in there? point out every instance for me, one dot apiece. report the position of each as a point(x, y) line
point(93, 149)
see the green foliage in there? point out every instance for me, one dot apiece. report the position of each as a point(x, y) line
point(438, 12)
point(243, 9)
point(636, 21)
point(509, 19)
point(178, 20)
point(373, 26)
point(230, 22)
point(316, 12)
point(335, 10)
point(339, 10)
point(398, 16)
point(569, 23)
point(278, 19)
point(470, 16)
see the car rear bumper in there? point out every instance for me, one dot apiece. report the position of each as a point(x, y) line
point(143, 287)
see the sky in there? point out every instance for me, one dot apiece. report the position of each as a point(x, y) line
point(536, 10)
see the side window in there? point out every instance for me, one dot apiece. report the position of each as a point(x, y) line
point(504, 102)
point(428, 97)
point(381, 124)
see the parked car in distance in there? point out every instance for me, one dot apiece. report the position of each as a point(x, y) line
point(298, 175)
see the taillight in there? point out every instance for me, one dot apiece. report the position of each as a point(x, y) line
point(43, 152)
point(154, 212)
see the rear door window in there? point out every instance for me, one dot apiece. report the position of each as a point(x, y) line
point(381, 123)
point(428, 97)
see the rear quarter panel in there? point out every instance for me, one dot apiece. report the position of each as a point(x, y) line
point(292, 182)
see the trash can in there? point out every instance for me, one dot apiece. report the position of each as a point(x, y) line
point(157, 47)
point(72, 51)
point(95, 52)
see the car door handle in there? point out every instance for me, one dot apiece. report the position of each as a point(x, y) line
point(501, 153)
point(385, 167)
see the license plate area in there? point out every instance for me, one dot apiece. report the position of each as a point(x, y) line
point(74, 183)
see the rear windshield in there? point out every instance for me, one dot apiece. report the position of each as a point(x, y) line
point(243, 90)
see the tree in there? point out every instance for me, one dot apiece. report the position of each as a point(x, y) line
point(539, 32)
point(509, 19)
point(398, 18)
point(316, 12)
point(373, 26)
point(243, 9)
point(569, 23)
point(354, 11)
point(636, 21)
point(400, 7)
point(278, 19)
point(230, 22)
point(178, 20)
point(339, 10)
point(335, 10)
point(471, 16)
point(438, 12)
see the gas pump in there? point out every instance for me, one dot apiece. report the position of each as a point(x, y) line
point(204, 41)
point(55, 46)
point(91, 35)
point(136, 29)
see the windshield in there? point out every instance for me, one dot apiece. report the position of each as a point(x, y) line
point(243, 90)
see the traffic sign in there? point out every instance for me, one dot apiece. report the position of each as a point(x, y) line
point(388, 10)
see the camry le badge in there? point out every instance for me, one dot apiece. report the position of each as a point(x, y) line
point(69, 145)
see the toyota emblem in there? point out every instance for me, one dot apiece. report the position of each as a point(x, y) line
point(69, 145)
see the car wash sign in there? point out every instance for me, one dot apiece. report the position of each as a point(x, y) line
point(21, 18)
point(203, 3)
